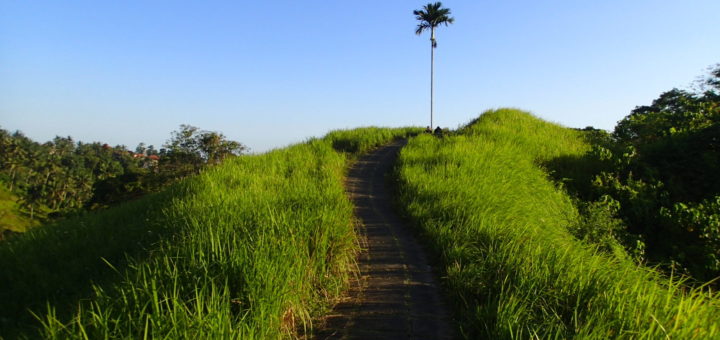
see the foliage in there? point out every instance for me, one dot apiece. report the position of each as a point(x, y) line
point(431, 16)
point(677, 141)
point(62, 177)
point(599, 226)
point(249, 249)
point(190, 149)
point(501, 232)
point(57, 177)
point(662, 167)
point(702, 222)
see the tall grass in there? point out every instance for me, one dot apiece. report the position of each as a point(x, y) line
point(253, 248)
point(500, 229)
point(360, 140)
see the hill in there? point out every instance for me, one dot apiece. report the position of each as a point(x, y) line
point(506, 238)
point(251, 248)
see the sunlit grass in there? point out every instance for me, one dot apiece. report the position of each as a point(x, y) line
point(251, 249)
point(511, 269)
point(11, 215)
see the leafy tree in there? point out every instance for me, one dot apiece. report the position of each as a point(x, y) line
point(430, 17)
point(215, 148)
point(674, 112)
point(661, 168)
point(190, 149)
point(677, 141)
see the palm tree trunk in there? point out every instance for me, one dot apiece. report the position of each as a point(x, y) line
point(432, 73)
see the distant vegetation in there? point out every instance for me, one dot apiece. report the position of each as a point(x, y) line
point(63, 177)
point(249, 249)
point(523, 259)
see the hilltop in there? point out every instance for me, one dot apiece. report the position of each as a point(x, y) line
point(522, 257)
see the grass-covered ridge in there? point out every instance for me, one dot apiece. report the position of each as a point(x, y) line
point(252, 248)
point(486, 206)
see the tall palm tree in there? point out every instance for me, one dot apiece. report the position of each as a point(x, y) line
point(431, 16)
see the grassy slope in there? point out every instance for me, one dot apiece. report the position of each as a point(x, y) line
point(250, 249)
point(511, 268)
point(10, 216)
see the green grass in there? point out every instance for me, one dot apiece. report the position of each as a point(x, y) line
point(499, 227)
point(358, 141)
point(251, 249)
point(11, 215)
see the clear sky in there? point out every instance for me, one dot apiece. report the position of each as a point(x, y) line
point(271, 73)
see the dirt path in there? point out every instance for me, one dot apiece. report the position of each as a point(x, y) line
point(396, 296)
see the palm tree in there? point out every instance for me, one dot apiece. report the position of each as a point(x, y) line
point(431, 16)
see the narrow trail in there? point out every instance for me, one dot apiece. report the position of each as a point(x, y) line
point(397, 295)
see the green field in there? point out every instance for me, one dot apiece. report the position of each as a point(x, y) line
point(253, 248)
point(500, 227)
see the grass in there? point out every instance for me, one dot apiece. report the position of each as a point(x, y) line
point(254, 248)
point(11, 216)
point(499, 227)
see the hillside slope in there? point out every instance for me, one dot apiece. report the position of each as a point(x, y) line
point(11, 217)
point(499, 226)
point(252, 248)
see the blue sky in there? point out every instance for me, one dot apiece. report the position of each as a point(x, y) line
point(272, 73)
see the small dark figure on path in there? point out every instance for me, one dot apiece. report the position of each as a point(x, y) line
point(428, 129)
point(438, 131)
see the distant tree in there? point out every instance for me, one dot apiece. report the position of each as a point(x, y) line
point(182, 157)
point(141, 149)
point(430, 17)
point(150, 151)
point(12, 156)
point(190, 149)
point(215, 148)
point(714, 79)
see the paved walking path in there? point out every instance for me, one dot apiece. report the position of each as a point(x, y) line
point(396, 296)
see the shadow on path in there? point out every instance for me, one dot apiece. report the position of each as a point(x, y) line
point(397, 295)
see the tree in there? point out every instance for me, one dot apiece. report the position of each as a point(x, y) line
point(190, 149)
point(215, 147)
point(663, 170)
point(431, 16)
point(12, 156)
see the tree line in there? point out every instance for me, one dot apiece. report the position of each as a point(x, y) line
point(653, 183)
point(63, 177)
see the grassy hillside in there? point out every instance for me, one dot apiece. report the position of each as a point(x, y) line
point(500, 228)
point(11, 217)
point(252, 248)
